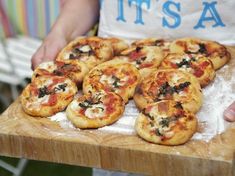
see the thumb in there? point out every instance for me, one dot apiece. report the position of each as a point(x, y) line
point(229, 113)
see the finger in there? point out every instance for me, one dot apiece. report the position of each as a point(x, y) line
point(51, 51)
point(229, 113)
point(47, 51)
point(37, 58)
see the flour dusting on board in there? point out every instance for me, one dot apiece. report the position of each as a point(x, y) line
point(217, 96)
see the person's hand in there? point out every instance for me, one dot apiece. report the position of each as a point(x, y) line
point(50, 47)
point(75, 19)
point(229, 113)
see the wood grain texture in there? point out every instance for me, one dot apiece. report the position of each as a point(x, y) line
point(42, 139)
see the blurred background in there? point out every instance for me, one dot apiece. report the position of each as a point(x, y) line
point(23, 25)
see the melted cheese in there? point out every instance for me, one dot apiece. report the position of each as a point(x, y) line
point(47, 65)
point(74, 105)
point(104, 79)
point(67, 55)
point(85, 48)
point(153, 53)
point(193, 47)
point(96, 111)
point(175, 78)
point(123, 81)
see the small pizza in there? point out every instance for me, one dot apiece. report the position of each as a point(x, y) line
point(95, 110)
point(144, 58)
point(91, 50)
point(73, 69)
point(47, 95)
point(164, 45)
point(166, 122)
point(115, 76)
point(170, 84)
point(200, 66)
point(217, 53)
point(118, 45)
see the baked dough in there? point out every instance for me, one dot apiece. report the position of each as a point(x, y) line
point(95, 110)
point(200, 66)
point(73, 69)
point(118, 45)
point(166, 122)
point(217, 53)
point(164, 45)
point(144, 58)
point(116, 76)
point(91, 50)
point(47, 95)
point(170, 84)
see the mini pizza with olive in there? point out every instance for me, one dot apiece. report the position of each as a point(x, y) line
point(73, 69)
point(91, 50)
point(95, 110)
point(144, 58)
point(200, 66)
point(170, 84)
point(47, 95)
point(217, 53)
point(166, 122)
point(116, 76)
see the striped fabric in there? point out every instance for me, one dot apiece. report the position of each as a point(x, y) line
point(29, 17)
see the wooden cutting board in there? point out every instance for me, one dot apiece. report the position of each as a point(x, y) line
point(42, 139)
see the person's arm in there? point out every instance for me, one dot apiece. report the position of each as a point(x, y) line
point(75, 19)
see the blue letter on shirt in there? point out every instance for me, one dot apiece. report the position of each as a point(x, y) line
point(172, 14)
point(139, 3)
point(120, 11)
point(214, 16)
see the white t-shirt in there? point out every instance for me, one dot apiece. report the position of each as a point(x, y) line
point(135, 19)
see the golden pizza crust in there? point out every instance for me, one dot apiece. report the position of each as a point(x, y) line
point(47, 95)
point(116, 76)
point(170, 84)
point(217, 53)
point(166, 122)
point(200, 66)
point(95, 110)
point(91, 50)
point(73, 69)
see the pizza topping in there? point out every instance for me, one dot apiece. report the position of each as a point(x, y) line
point(202, 49)
point(84, 49)
point(186, 62)
point(138, 49)
point(197, 48)
point(43, 91)
point(178, 105)
point(205, 64)
point(93, 107)
point(81, 50)
point(167, 89)
point(89, 103)
point(164, 122)
point(95, 111)
point(51, 101)
point(136, 54)
point(159, 42)
point(113, 80)
point(162, 126)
